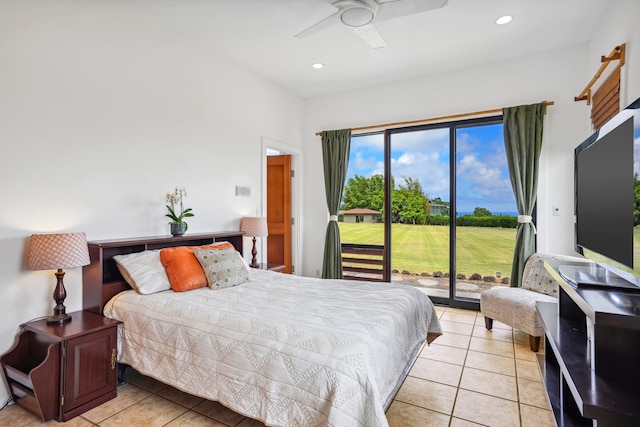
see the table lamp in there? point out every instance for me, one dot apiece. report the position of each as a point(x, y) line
point(58, 251)
point(254, 226)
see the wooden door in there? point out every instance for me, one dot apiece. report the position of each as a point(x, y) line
point(279, 210)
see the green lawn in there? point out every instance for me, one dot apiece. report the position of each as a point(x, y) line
point(425, 248)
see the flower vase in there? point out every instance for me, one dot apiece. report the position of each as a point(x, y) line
point(178, 228)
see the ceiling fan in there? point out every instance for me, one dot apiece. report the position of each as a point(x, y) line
point(360, 15)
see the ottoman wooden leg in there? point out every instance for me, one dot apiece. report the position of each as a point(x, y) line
point(488, 322)
point(534, 343)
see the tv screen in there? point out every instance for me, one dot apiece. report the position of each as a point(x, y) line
point(606, 176)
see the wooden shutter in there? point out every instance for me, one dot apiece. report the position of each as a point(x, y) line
point(606, 101)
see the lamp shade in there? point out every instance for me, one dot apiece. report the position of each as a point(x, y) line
point(55, 251)
point(254, 226)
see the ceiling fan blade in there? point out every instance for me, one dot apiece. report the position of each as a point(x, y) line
point(325, 23)
point(397, 8)
point(369, 33)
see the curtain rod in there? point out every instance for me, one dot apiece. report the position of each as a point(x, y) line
point(435, 119)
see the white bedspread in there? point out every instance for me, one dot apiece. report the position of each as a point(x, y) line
point(283, 349)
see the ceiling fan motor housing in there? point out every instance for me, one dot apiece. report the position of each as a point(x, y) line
point(357, 16)
point(357, 13)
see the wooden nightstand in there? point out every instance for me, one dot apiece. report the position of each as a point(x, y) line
point(272, 267)
point(61, 371)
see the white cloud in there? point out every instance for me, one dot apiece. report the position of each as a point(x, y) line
point(466, 143)
point(406, 159)
point(370, 142)
point(360, 163)
point(487, 181)
point(410, 141)
point(379, 169)
point(426, 167)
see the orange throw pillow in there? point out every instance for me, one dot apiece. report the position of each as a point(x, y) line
point(183, 268)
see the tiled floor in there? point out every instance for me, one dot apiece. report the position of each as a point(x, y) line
point(467, 377)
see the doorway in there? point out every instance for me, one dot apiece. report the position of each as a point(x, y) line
point(280, 204)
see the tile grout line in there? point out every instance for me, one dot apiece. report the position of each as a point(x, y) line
point(517, 382)
point(464, 364)
point(486, 394)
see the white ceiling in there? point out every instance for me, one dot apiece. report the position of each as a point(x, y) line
point(259, 34)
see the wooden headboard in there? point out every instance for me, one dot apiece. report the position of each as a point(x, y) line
point(102, 279)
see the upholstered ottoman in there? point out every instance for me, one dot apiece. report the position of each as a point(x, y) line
point(516, 307)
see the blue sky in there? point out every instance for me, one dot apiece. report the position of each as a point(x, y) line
point(482, 173)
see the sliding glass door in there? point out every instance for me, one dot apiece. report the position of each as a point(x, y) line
point(438, 200)
point(486, 212)
point(419, 190)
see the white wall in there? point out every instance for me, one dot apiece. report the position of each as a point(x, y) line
point(557, 76)
point(103, 110)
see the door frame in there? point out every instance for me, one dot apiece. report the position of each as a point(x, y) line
point(296, 161)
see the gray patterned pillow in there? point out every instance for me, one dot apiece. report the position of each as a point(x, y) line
point(536, 278)
point(223, 267)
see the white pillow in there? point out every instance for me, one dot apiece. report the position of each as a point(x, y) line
point(143, 271)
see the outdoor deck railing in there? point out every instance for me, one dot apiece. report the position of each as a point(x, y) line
point(363, 262)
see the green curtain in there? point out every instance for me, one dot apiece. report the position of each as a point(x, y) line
point(523, 142)
point(335, 156)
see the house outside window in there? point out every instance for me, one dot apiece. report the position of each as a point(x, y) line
point(361, 215)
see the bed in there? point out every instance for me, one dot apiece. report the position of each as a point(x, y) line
point(283, 349)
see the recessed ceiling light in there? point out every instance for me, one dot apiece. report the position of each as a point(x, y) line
point(504, 19)
point(317, 65)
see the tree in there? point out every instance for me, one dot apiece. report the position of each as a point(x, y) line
point(364, 193)
point(410, 204)
point(481, 212)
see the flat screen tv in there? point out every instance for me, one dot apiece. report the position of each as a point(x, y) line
point(607, 208)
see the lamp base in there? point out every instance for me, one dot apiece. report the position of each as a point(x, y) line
point(60, 315)
point(254, 252)
point(58, 319)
